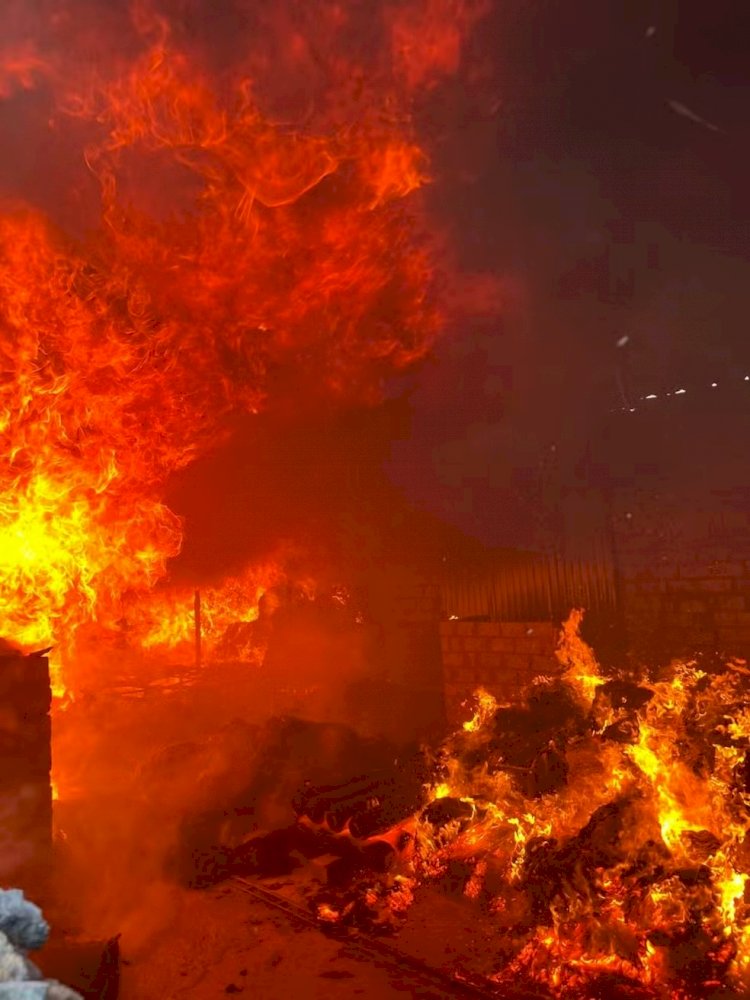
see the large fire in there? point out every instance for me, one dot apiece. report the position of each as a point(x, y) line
point(241, 258)
point(599, 826)
point(260, 243)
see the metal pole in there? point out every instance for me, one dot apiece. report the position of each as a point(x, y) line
point(197, 613)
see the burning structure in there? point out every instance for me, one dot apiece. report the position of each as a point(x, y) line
point(235, 258)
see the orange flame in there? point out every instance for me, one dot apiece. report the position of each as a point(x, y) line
point(674, 864)
point(239, 260)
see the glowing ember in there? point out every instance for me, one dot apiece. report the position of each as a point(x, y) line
point(606, 839)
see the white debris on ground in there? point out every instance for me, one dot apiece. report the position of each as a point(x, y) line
point(22, 929)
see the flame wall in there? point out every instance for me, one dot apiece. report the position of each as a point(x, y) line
point(233, 225)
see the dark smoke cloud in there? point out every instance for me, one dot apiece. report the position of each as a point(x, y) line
point(619, 217)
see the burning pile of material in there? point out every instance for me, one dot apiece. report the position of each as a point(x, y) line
point(600, 825)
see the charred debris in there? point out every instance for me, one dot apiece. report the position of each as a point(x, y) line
point(599, 823)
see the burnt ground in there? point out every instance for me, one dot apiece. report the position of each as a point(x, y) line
point(223, 943)
point(133, 767)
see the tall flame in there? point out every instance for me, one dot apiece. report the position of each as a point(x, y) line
point(238, 259)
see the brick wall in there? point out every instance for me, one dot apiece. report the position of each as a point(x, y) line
point(685, 577)
point(404, 609)
point(25, 762)
point(501, 657)
point(677, 477)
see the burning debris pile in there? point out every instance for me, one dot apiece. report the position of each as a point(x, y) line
point(600, 825)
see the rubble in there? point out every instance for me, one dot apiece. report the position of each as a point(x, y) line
point(600, 823)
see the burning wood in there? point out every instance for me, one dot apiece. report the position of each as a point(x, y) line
point(295, 769)
point(366, 806)
point(601, 825)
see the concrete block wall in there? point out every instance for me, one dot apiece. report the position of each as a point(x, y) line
point(685, 579)
point(417, 602)
point(502, 657)
point(404, 611)
point(417, 645)
point(682, 609)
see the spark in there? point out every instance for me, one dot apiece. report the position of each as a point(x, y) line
point(685, 112)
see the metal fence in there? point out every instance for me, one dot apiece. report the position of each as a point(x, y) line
point(505, 585)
